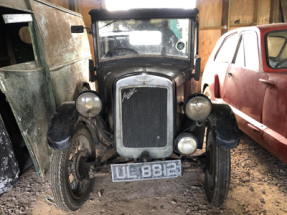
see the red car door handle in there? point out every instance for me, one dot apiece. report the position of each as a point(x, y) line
point(253, 127)
point(229, 74)
point(267, 82)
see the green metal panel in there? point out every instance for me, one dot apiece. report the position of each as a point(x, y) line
point(66, 79)
point(60, 46)
point(41, 56)
point(26, 90)
point(65, 54)
point(34, 89)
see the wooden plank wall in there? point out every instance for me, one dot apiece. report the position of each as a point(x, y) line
point(86, 6)
point(210, 15)
point(251, 12)
point(284, 9)
point(264, 12)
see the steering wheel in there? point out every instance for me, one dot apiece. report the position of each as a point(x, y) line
point(120, 51)
point(281, 62)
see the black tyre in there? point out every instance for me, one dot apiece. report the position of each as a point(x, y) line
point(70, 189)
point(217, 174)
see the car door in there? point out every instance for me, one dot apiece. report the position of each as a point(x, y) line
point(215, 69)
point(242, 88)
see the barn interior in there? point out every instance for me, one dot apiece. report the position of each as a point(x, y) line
point(254, 167)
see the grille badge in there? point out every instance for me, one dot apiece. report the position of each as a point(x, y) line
point(143, 78)
point(129, 94)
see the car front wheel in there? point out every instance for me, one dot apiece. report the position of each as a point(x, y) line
point(217, 173)
point(70, 187)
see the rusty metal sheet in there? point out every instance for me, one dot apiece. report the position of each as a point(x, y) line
point(61, 47)
point(9, 169)
point(25, 87)
point(19, 5)
point(31, 92)
point(66, 79)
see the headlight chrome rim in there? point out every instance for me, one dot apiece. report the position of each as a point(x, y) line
point(94, 93)
point(181, 137)
point(193, 96)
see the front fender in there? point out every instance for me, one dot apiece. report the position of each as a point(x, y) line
point(62, 126)
point(224, 126)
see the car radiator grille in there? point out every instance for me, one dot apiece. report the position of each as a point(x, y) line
point(144, 117)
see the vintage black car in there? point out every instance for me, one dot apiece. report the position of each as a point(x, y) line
point(146, 115)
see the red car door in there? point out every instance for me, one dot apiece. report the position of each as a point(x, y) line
point(215, 70)
point(242, 88)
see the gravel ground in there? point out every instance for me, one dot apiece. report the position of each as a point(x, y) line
point(258, 186)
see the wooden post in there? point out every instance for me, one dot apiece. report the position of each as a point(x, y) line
point(72, 4)
point(255, 13)
point(78, 6)
point(284, 9)
point(275, 12)
point(225, 16)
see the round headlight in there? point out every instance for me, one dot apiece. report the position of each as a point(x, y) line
point(186, 143)
point(89, 104)
point(197, 107)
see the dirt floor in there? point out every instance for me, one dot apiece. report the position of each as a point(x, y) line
point(258, 186)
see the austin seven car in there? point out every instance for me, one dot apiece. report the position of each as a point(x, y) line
point(145, 114)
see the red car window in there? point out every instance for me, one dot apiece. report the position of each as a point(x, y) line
point(277, 49)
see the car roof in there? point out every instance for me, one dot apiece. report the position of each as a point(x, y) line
point(273, 26)
point(103, 14)
point(263, 28)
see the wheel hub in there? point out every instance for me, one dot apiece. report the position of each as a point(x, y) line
point(81, 157)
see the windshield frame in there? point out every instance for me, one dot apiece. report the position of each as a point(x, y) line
point(103, 15)
point(145, 55)
point(267, 50)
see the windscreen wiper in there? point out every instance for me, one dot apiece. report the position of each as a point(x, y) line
point(108, 24)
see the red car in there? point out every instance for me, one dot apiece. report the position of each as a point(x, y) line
point(248, 70)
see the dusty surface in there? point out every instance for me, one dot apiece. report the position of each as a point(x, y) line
point(258, 186)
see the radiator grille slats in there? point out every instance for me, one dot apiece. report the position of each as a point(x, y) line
point(144, 117)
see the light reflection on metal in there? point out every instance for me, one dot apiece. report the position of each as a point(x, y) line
point(16, 18)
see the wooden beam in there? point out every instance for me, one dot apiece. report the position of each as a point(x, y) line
point(257, 4)
point(242, 25)
point(78, 6)
point(225, 15)
point(72, 4)
point(284, 9)
point(275, 12)
point(229, 15)
point(212, 27)
point(255, 13)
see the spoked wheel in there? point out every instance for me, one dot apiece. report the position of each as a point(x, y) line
point(69, 185)
point(217, 174)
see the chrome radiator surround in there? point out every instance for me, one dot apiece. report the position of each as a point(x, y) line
point(144, 80)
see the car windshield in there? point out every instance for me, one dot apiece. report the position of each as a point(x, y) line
point(153, 37)
point(277, 49)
